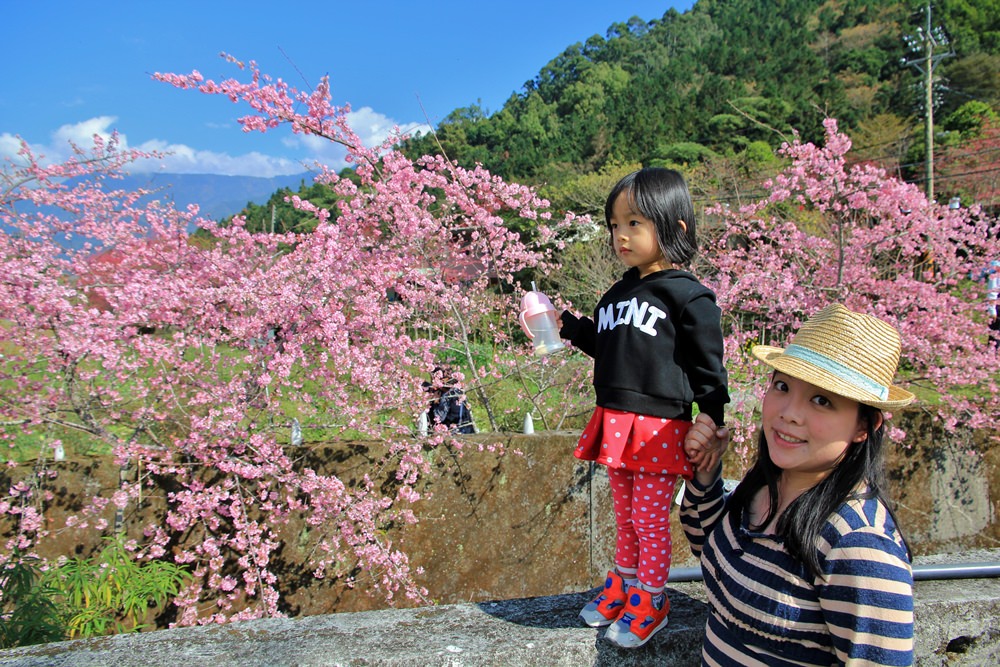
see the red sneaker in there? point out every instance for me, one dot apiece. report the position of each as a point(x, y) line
point(607, 607)
point(640, 620)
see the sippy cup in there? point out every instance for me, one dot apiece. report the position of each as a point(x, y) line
point(538, 319)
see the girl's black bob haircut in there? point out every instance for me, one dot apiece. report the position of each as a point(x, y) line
point(661, 195)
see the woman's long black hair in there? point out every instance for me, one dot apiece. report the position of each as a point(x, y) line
point(801, 522)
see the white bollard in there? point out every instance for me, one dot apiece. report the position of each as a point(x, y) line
point(422, 424)
point(529, 424)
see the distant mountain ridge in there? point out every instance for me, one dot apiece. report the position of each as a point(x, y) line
point(217, 196)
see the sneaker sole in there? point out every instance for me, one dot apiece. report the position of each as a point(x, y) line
point(598, 622)
point(628, 640)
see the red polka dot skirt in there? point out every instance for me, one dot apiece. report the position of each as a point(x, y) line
point(625, 440)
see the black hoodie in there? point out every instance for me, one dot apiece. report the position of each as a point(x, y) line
point(657, 346)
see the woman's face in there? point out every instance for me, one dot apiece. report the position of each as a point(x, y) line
point(808, 429)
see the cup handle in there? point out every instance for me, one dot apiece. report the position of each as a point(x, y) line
point(524, 325)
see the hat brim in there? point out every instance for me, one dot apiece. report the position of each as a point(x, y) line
point(803, 370)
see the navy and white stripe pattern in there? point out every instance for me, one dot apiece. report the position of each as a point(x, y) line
point(768, 609)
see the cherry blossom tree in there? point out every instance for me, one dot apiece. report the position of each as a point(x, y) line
point(831, 232)
point(200, 364)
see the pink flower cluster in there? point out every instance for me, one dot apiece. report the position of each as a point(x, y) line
point(192, 360)
point(834, 231)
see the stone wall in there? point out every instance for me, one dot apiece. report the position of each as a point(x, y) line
point(534, 521)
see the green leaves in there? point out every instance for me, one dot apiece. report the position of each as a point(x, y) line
point(111, 592)
point(29, 613)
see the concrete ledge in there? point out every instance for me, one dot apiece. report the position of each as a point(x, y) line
point(533, 521)
point(955, 619)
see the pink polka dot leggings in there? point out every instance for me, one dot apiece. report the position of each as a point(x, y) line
point(642, 504)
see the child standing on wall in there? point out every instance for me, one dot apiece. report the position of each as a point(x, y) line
point(656, 340)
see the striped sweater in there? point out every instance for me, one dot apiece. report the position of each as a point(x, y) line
point(768, 609)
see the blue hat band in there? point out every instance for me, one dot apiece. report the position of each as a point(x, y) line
point(838, 369)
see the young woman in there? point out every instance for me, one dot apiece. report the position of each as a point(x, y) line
point(656, 340)
point(804, 563)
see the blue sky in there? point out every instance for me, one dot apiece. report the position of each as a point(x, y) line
point(72, 69)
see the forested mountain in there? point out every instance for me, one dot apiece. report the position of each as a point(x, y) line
point(713, 80)
point(716, 89)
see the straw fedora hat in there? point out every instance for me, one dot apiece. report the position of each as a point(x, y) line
point(847, 353)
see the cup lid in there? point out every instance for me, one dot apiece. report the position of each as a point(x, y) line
point(533, 303)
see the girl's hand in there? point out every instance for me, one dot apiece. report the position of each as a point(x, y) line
point(704, 445)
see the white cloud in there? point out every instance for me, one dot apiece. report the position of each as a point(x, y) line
point(371, 127)
point(9, 145)
point(181, 159)
point(58, 149)
point(82, 134)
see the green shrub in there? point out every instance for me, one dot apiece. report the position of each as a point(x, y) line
point(112, 592)
point(29, 613)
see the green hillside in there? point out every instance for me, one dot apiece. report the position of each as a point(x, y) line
point(716, 89)
point(726, 74)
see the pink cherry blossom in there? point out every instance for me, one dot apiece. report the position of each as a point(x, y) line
point(860, 236)
point(191, 360)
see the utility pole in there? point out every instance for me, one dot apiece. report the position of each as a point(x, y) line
point(923, 46)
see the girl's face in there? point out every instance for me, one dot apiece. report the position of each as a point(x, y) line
point(634, 238)
point(808, 429)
